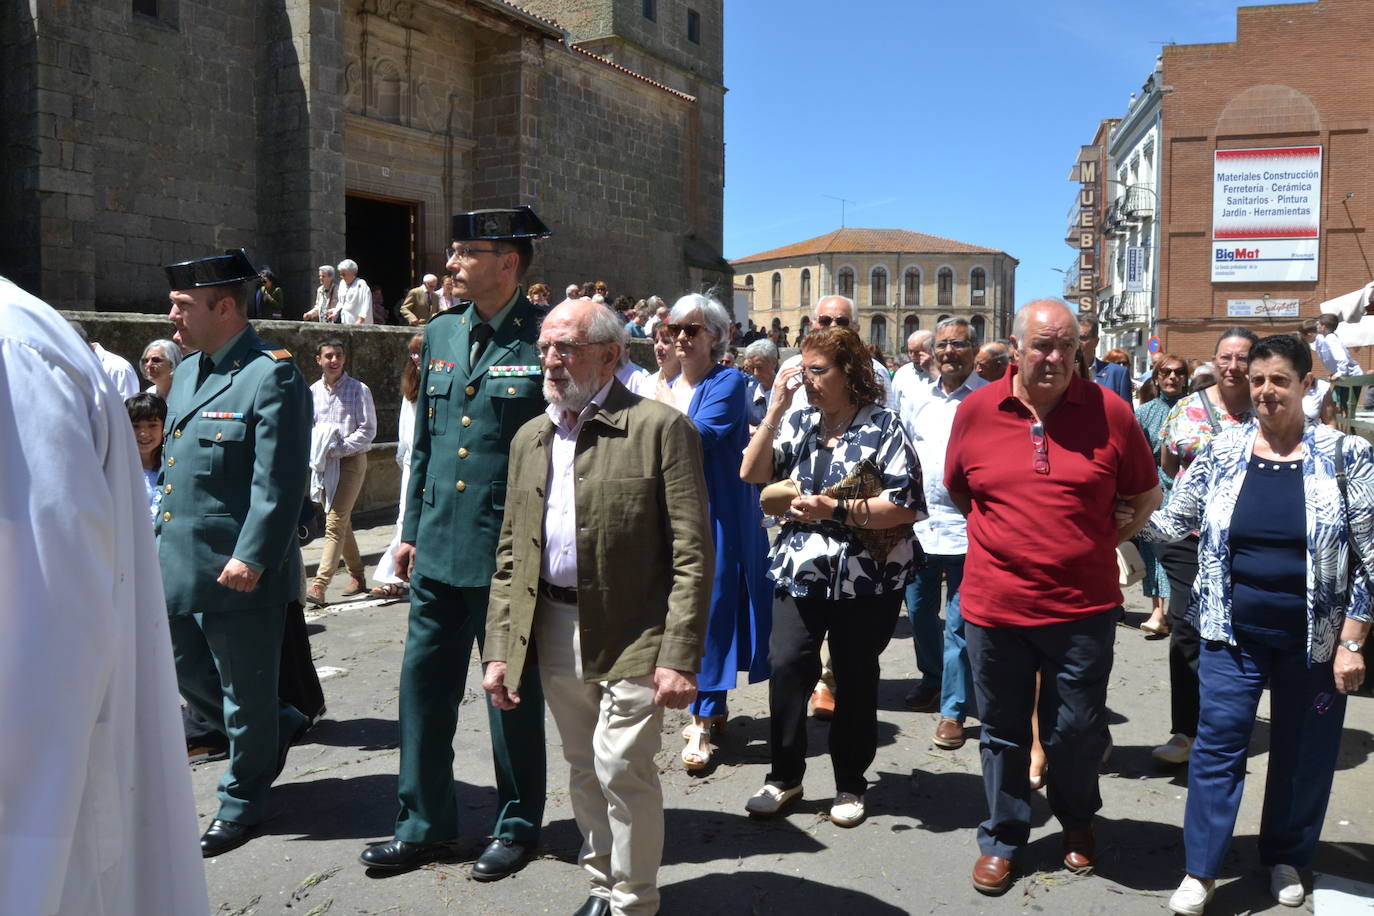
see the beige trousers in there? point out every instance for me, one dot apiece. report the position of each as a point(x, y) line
point(611, 732)
point(338, 523)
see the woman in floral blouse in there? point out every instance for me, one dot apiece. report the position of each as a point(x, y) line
point(1169, 381)
point(826, 579)
point(1280, 603)
point(1193, 421)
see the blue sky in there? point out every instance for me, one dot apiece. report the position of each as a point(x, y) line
point(958, 119)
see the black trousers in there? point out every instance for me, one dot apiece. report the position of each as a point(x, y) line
point(859, 631)
point(1179, 560)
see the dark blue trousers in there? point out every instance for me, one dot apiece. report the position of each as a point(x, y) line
point(1075, 661)
point(1305, 714)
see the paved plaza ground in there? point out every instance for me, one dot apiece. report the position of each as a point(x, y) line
point(912, 855)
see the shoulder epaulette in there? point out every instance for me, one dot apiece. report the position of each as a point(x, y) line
point(278, 354)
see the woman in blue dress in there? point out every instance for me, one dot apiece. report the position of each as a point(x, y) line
point(713, 396)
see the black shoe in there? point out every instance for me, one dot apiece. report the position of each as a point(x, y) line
point(222, 836)
point(501, 858)
point(595, 906)
point(925, 698)
point(398, 855)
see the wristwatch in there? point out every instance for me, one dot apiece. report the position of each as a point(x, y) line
point(1351, 644)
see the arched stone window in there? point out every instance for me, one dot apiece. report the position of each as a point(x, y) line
point(877, 332)
point(877, 287)
point(944, 287)
point(777, 291)
point(749, 281)
point(805, 288)
point(910, 326)
point(388, 87)
point(977, 287)
point(844, 282)
point(979, 325)
point(911, 288)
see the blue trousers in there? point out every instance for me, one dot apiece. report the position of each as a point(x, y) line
point(1075, 662)
point(1306, 714)
point(923, 610)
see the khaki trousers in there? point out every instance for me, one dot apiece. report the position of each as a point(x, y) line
point(611, 732)
point(338, 523)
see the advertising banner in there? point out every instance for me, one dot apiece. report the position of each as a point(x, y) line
point(1266, 214)
point(1135, 269)
point(1262, 308)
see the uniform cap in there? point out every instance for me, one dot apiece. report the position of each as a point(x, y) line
point(499, 225)
point(222, 269)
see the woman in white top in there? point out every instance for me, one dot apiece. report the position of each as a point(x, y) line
point(355, 298)
point(159, 360)
point(392, 586)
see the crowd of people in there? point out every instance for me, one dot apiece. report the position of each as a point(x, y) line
point(617, 543)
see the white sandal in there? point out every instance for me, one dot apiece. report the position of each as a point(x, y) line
point(696, 756)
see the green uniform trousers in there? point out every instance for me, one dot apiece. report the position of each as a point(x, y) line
point(227, 667)
point(444, 622)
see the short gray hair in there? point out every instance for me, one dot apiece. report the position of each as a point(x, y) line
point(428, 278)
point(349, 265)
point(167, 350)
point(328, 270)
point(958, 321)
point(1018, 323)
point(713, 316)
point(764, 349)
point(605, 327)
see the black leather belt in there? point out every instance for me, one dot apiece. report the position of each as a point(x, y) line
point(557, 592)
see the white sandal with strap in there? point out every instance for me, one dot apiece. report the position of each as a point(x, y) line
point(696, 756)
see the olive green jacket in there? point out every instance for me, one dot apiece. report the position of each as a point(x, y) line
point(235, 466)
point(645, 559)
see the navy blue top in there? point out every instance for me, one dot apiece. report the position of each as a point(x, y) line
point(1269, 556)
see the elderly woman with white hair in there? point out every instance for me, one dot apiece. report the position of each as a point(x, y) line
point(713, 396)
point(159, 360)
point(355, 298)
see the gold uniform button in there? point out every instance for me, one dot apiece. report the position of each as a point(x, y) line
point(462, 453)
point(431, 411)
point(461, 486)
point(166, 516)
point(469, 391)
point(219, 436)
point(167, 489)
point(510, 390)
point(176, 435)
point(431, 389)
point(467, 421)
point(171, 462)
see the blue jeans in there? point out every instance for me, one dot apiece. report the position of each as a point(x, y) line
point(956, 687)
point(923, 610)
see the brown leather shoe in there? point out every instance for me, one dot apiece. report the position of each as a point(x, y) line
point(823, 704)
point(1080, 846)
point(949, 734)
point(992, 875)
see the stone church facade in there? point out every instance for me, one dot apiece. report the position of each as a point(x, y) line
point(139, 132)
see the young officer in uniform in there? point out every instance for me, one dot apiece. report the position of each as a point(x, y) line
point(480, 380)
point(233, 478)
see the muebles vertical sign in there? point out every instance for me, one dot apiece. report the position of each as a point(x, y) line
point(1266, 214)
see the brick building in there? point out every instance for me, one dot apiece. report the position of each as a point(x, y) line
point(1298, 76)
point(138, 132)
point(900, 281)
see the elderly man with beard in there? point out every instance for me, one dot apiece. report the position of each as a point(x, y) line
point(605, 563)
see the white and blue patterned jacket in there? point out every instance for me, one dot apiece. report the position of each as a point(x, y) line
point(1205, 497)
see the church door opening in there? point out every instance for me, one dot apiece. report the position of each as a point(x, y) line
point(382, 236)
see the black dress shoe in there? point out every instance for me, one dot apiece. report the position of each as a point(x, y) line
point(595, 906)
point(398, 855)
point(501, 858)
point(222, 836)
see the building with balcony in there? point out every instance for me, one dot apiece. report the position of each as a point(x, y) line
point(900, 281)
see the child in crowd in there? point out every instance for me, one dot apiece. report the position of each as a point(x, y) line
point(148, 412)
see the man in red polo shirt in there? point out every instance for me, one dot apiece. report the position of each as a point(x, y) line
point(1037, 461)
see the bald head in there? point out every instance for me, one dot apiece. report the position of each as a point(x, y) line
point(835, 310)
point(1045, 334)
point(918, 349)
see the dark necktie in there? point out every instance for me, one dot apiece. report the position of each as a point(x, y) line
point(481, 333)
point(207, 365)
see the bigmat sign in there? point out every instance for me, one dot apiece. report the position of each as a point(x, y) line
point(1266, 214)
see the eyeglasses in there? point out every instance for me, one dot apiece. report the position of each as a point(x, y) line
point(826, 321)
point(1042, 452)
point(564, 348)
point(953, 344)
point(691, 330)
point(464, 253)
point(1176, 371)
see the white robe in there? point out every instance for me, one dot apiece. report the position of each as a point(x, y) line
point(97, 816)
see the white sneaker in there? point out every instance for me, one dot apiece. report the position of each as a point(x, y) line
point(771, 800)
point(1286, 885)
point(1192, 896)
point(1177, 751)
point(847, 811)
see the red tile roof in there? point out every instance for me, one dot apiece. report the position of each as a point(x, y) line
point(876, 241)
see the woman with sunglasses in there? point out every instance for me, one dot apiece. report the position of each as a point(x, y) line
point(1170, 383)
point(390, 584)
point(1190, 425)
point(159, 360)
point(1284, 603)
point(715, 399)
point(828, 580)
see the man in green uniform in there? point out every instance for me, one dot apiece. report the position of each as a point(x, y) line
point(480, 380)
point(233, 478)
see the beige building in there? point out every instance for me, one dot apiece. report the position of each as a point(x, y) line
point(901, 281)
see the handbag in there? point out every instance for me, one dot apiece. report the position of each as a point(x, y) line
point(864, 482)
point(776, 498)
point(1130, 566)
point(1367, 688)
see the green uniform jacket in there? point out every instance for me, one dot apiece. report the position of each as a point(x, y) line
point(645, 560)
point(464, 422)
point(233, 484)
